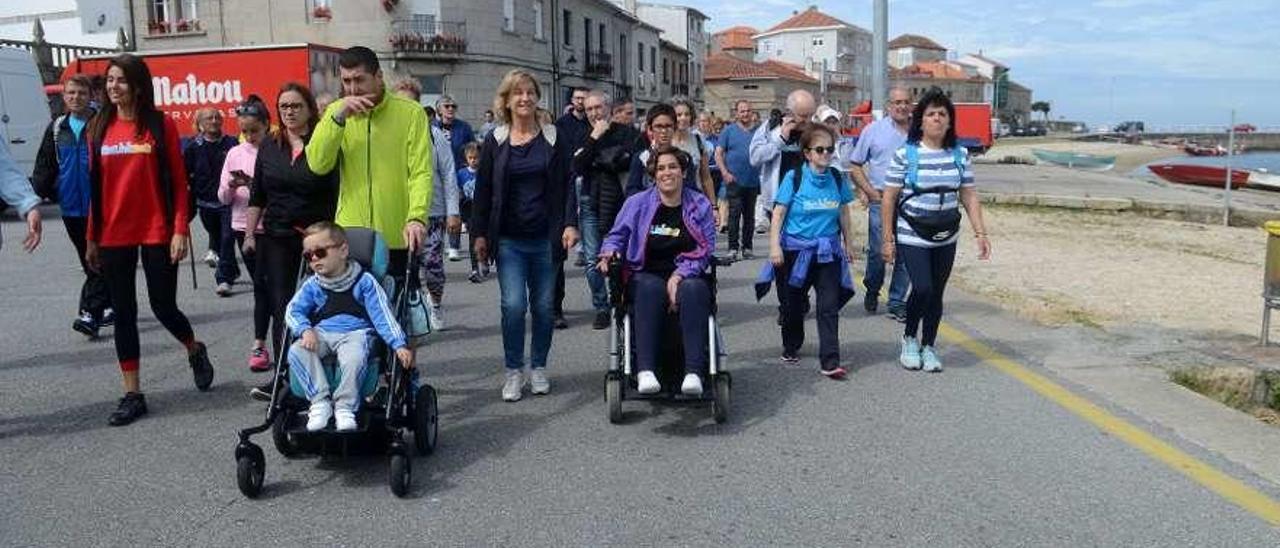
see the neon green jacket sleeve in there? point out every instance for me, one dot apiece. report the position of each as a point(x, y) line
point(418, 153)
point(326, 142)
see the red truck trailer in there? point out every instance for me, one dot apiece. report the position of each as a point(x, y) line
point(186, 81)
point(973, 125)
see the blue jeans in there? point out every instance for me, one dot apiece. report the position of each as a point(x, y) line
point(875, 264)
point(228, 270)
point(588, 225)
point(526, 280)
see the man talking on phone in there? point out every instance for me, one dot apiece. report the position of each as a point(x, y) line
point(775, 150)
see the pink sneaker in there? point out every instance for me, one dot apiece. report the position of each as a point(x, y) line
point(259, 360)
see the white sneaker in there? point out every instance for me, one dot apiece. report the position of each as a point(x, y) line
point(910, 355)
point(211, 258)
point(692, 385)
point(647, 383)
point(538, 383)
point(223, 289)
point(345, 419)
point(453, 255)
point(436, 317)
point(513, 387)
point(929, 360)
point(319, 415)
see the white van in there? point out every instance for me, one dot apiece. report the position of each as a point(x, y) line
point(24, 109)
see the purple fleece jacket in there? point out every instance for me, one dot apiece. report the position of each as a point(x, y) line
point(631, 230)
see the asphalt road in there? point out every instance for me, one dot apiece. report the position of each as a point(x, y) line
point(970, 457)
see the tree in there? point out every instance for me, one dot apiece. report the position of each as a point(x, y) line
point(1043, 107)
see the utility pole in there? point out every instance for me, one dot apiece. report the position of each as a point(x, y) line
point(1231, 150)
point(879, 58)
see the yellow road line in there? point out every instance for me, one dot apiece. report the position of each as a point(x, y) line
point(1215, 480)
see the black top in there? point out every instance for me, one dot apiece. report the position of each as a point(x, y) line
point(291, 195)
point(667, 239)
point(527, 189)
point(791, 159)
point(604, 165)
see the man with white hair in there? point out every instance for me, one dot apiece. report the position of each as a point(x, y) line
point(775, 150)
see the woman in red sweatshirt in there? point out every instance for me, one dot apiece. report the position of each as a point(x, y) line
point(139, 210)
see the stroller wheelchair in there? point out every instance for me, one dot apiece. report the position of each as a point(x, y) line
point(620, 381)
point(394, 402)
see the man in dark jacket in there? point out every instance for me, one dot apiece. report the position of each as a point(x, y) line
point(62, 175)
point(602, 161)
point(203, 155)
point(572, 126)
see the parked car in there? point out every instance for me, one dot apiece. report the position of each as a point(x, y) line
point(1130, 127)
point(24, 112)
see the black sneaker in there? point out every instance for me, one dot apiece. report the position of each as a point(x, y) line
point(790, 359)
point(747, 254)
point(201, 369)
point(475, 277)
point(86, 325)
point(263, 392)
point(898, 314)
point(601, 321)
point(132, 406)
point(871, 302)
point(108, 318)
point(559, 322)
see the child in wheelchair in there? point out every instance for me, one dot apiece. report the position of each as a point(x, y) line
point(336, 313)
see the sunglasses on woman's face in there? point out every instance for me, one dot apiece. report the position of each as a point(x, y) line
point(318, 253)
point(822, 150)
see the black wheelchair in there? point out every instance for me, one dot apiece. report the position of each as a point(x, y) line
point(620, 380)
point(395, 402)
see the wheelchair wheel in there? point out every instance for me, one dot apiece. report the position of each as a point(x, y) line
point(613, 397)
point(400, 474)
point(250, 469)
point(426, 420)
point(720, 406)
point(285, 443)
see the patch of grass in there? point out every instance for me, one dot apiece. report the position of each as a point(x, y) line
point(1241, 388)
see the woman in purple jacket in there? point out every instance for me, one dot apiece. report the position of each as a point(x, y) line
point(665, 236)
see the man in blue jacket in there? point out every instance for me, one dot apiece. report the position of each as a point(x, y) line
point(62, 174)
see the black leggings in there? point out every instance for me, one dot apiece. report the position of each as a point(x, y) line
point(119, 268)
point(278, 261)
point(929, 269)
point(261, 303)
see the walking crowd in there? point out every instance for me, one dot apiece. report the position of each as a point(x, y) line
point(528, 192)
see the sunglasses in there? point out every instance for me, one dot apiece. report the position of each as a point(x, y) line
point(822, 150)
point(448, 106)
point(318, 253)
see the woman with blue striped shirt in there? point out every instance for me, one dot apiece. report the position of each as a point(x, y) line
point(927, 182)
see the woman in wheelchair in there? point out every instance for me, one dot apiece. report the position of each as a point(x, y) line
point(333, 313)
point(664, 237)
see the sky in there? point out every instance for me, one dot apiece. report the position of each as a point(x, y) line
point(1167, 63)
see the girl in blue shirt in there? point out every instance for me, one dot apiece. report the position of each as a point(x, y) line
point(811, 248)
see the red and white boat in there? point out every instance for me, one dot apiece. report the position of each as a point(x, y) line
point(1210, 176)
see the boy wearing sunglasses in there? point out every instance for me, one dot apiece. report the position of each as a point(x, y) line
point(336, 312)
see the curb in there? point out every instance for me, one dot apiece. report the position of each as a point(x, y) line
point(1192, 213)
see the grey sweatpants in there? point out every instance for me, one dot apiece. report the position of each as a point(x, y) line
point(352, 350)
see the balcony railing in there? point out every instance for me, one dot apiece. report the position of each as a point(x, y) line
point(840, 78)
point(599, 63)
point(420, 35)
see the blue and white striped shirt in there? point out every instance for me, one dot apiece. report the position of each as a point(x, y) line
point(937, 169)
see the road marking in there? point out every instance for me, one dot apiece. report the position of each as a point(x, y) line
point(1215, 480)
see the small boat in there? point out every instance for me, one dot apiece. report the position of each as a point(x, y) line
point(1262, 179)
point(1196, 149)
point(1077, 160)
point(1210, 176)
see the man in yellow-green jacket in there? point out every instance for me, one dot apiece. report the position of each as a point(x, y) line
point(381, 145)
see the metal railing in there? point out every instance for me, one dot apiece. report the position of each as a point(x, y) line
point(421, 35)
point(599, 62)
point(60, 55)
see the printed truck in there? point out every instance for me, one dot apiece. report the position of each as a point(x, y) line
point(186, 81)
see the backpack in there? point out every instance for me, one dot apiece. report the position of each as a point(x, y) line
point(944, 224)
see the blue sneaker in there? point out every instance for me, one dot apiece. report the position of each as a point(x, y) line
point(910, 356)
point(929, 360)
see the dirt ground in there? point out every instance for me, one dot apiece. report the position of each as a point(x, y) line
point(1128, 157)
point(1111, 270)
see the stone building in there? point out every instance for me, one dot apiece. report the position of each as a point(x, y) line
point(764, 84)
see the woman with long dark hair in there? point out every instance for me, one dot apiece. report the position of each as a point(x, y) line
point(287, 197)
point(139, 211)
point(927, 182)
